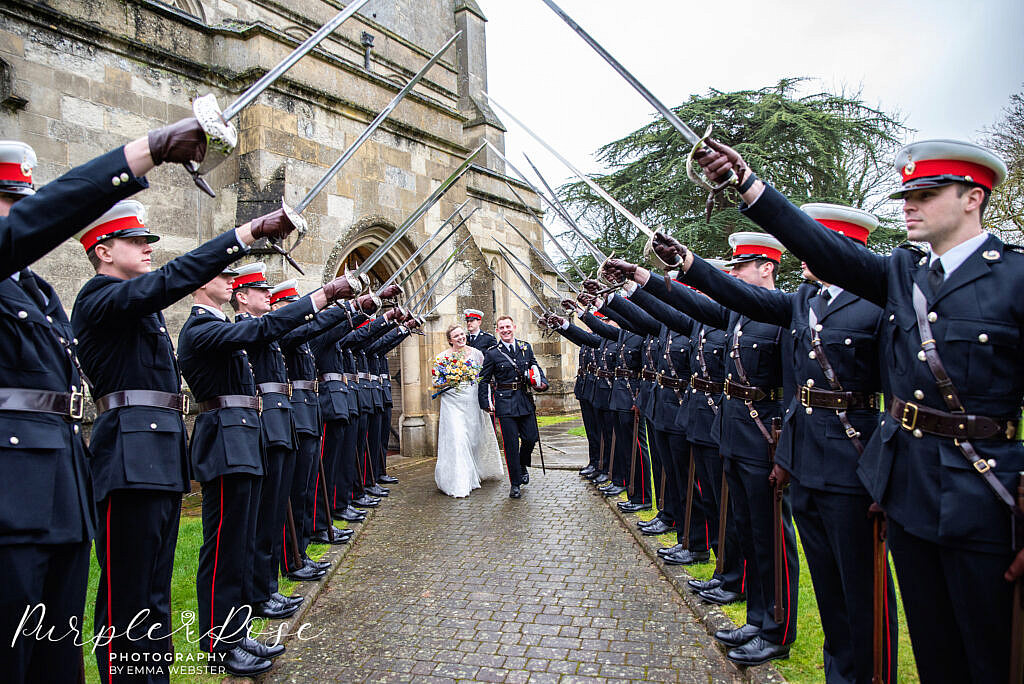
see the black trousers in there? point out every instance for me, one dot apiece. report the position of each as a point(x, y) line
point(369, 437)
point(54, 576)
point(668, 447)
point(623, 428)
point(341, 449)
point(838, 541)
point(304, 481)
point(640, 476)
point(677, 458)
point(224, 580)
point(591, 425)
point(376, 459)
point(607, 421)
point(270, 520)
point(323, 485)
point(958, 609)
point(135, 540)
point(385, 439)
point(518, 437)
point(752, 503)
point(709, 473)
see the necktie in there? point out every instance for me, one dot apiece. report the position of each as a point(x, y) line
point(826, 294)
point(936, 275)
point(27, 280)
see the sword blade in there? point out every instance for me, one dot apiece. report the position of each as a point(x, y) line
point(523, 280)
point(298, 53)
point(628, 215)
point(422, 247)
point(543, 282)
point(461, 282)
point(440, 273)
point(365, 135)
point(509, 288)
point(545, 259)
point(418, 214)
point(425, 260)
point(568, 259)
point(670, 116)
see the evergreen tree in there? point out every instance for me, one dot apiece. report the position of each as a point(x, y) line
point(1005, 213)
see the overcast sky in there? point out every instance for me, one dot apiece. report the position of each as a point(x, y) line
point(948, 66)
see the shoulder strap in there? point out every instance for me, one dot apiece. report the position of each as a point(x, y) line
point(833, 381)
point(740, 371)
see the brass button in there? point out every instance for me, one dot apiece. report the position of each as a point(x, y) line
point(892, 317)
point(124, 177)
point(163, 329)
point(809, 410)
point(991, 463)
point(847, 341)
point(811, 355)
point(23, 314)
point(983, 338)
point(921, 355)
point(14, 441)
point(115, 181)
point(49, 319)
point(754, 346)
point(810, 382)
point(918, 394)
point(932, 317)
point(152, 426)
point(243, 421)
point(818, 327)
point(917, 433)
point(76, 429)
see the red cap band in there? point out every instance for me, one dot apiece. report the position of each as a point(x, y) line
point(766, 252)
point(476, 316)
point(12, 172)
point(850, 230)
point(242, 281)
point(105, 230)
point(937, 167)
point(290, 292)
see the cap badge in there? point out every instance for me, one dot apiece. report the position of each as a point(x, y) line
point(909, 168)
point(990, 254)
point(26, 167)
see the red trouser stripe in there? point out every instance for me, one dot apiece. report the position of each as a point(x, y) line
point(785, 561)
point(888, 633)
point(284, 545)
point(316, 489)
point(110, 604)
point(216, 555)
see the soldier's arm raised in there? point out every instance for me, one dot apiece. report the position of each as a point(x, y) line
point(675, 319)
point(691, 303)
point(639, 321)
point(268, 327)
point(608, 332)
point(757, 303)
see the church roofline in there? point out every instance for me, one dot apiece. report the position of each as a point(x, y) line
point(471, 6)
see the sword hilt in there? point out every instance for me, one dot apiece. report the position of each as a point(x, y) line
point(716, 185)
point(198, 179)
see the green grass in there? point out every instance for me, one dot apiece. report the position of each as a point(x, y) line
point(578, 431)
point(553, 420)
point(183, 598)
point(805, 660)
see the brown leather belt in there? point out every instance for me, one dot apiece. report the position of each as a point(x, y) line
point(707, 386)
point(339, 377)
point(831, 399)
point(275, 388)
point(232, 401)
point(311, 385)
point(508, 385)
point(625, 373)
point(601, 373)
point(738, 390)
point(70, 405)
point(649, 376)
point(175, 402)
point(918, 419)
point(351, 377)
point(671, 383)
point(364, 376)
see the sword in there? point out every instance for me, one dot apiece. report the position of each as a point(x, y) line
point(422, 247)
point(468, 276)
point(569, 259)
point(509, 288)
point(545, 259)
point(540, 300)
point(688, 133)
point(440, 244)
point(412, 302)
point(221, 136)
point(529, 270)
point(445, 267)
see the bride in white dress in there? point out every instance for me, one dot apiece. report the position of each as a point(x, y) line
point(467, 449)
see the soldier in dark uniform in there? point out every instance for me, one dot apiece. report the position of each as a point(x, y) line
point(139, 450)
point(944, 462)
point(476, 338)
point(227, 458)
point(376, 365)
point(512, 369)
point(47, 514)
point(755, 376)
point(600, 394)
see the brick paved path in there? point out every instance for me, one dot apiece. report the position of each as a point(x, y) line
point(547, 588)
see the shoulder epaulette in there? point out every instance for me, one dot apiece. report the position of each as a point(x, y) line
point(914, 249)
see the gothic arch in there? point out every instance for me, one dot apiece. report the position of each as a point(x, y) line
point(193, 7)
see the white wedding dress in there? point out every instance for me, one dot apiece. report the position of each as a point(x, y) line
point(467, 449)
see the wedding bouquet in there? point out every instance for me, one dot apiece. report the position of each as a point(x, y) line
point(449, 372)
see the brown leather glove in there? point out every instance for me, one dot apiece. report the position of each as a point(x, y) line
point(555, 321)
point(412, 323)
point(586, 299)
point(779, 478)
point(390, 292)
point(393, 315)
point(592, 286)
point(366, 304)
point(718, 159)
point(668, 249)
point(622, 266)
point(182, 141)
point(569, 305)
point(274, 225)
point(339, 288)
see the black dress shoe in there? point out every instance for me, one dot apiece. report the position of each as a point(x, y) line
point(366, 502)
point(319, 565)
point(757, 651)
point(286, 600)
point(377, 490)
point(669, 550)
point(307, 573)
point(514, 493)
point(352, 515)
point(657, 528)
point(701, 585)
point(686, 557)
point(737, 637)
point(261, 650)
point(614, 491)
point(720, 596)
point(274, 610)
point(387, 480)
point(240, 663)
point(587, 471)
point(601, 479)
point(630, 507)
point(525, 479)
point(594, 475)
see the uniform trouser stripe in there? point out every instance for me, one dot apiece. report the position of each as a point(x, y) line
point(216, 557)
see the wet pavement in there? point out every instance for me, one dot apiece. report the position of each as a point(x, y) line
point(548, 588)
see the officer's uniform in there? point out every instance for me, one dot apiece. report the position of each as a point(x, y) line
point(829, 502)
point(748, 458)
point(949, 533)
point(227, 456)
point(482, 340)
point(583, 390)
point(47, 515)
point(139, 447)
point(507, 369)
point(380, 424)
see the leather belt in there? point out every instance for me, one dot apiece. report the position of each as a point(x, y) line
point(671, 383)
point(311, 385)
point(592, 368)
point(351, 377)
point(363, 376)
point(707, 386)
point(275, 388)
point(749, 393)
point(508, 385)
point(68, 404)
point(232, 401)
point(838, 400)
point(649, 376)
point(601, 373)
point(918, 419)
point(625, 373)
point(176, 402)
point(339, 377)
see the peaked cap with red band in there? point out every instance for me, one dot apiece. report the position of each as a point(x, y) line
point(853, 223)
point(286, 291)
point(17, 162)
point(474, 314)
point(125, 219)
point(251, 275)
point(748, 246)
point(934, 163)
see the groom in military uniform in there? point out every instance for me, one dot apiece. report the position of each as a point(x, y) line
point(512, 369)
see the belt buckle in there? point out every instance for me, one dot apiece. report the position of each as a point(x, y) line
point(805, 395)
point(851, 431)
point(725, 389)
point(259, 404)
point(316, 385)
point(982, 466)
point(184, 405)
point(76, 409)
point(289, 390)
point(906, 410)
